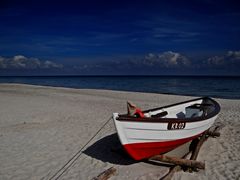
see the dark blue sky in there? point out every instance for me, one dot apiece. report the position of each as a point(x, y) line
point(84, 37)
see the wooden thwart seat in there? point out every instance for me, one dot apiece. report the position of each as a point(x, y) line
point(161, 114)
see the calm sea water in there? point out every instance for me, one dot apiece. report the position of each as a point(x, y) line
point(223, 87)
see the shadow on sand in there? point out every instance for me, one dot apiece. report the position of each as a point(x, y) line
point(109, 149)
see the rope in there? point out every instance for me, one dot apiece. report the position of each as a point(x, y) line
point(70, 162)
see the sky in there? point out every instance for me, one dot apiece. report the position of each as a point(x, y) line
point(100, 37)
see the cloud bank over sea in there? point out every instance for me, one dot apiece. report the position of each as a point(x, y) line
point(165, 63)
point(22, 62)
point(168, 63)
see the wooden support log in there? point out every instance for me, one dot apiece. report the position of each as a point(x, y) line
point(194, 144)
point(203, 138)
point(213, 134)
point(106, 174)
point(174, 169)
point(198, 146)
point(179, 161)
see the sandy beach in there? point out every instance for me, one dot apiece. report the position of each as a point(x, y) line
point(42, 128)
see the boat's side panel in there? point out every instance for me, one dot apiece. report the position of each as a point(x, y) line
point(141, 132)
point(142, 140)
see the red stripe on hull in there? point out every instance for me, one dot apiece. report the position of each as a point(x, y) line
point(140, 151)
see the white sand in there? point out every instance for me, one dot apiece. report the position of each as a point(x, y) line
point(41, 128)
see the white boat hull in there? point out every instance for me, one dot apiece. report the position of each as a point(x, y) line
point(144, 139)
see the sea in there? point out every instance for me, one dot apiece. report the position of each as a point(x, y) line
point(214, 86)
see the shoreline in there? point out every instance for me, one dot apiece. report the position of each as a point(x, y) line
point(96, 89)
point(42, 127)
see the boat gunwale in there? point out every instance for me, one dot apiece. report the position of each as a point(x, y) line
point(167, 120)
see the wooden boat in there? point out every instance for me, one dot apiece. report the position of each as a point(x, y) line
point(165, 128)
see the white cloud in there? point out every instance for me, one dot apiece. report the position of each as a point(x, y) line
point(216, 60)
point(166, 59)
point(22, 62)
point(50, 64)
point(234, 55)
point(19, 61)
point(19, 57)
point(230, 58)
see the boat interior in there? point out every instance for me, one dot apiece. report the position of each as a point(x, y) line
point(192, 109)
